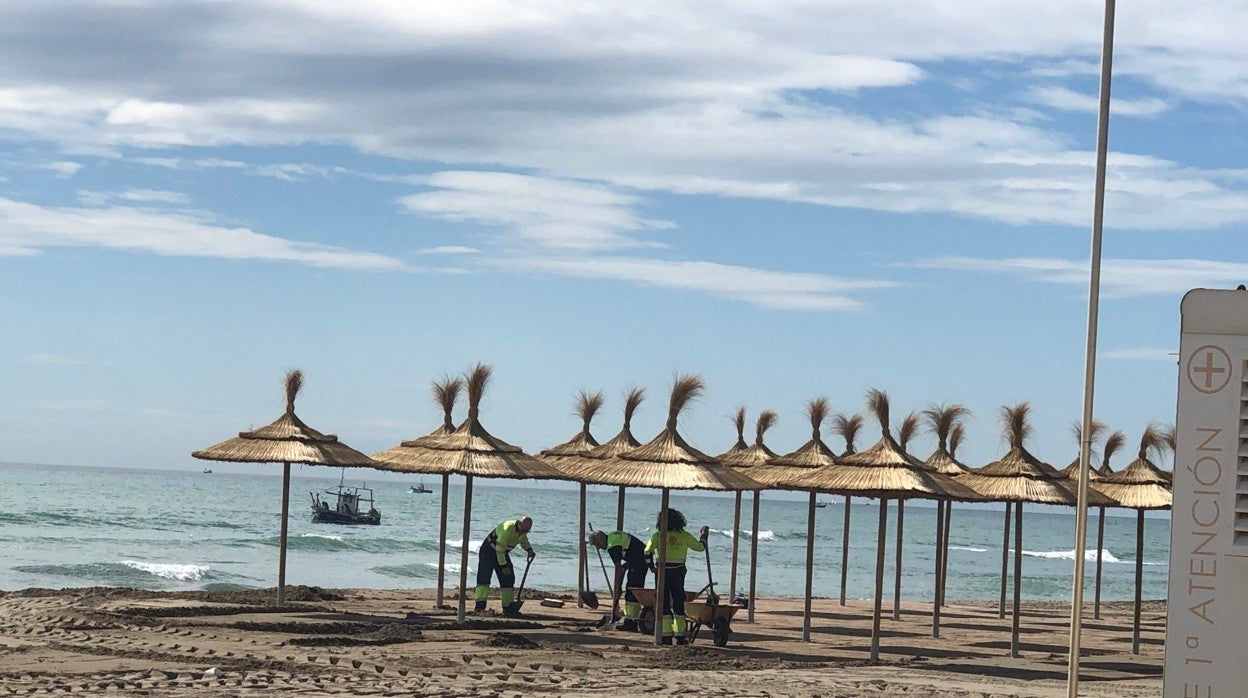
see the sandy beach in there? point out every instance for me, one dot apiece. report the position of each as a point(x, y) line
point(394, 642)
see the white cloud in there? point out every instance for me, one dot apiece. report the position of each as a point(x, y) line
point(28, 228)
point(1070, 100)
point(734, 99)
point(449, 249)
point(1119, 277)
point(149, 196)
point(768, 289)
point(63, 168)
point(541, 210)
point(1141, 354)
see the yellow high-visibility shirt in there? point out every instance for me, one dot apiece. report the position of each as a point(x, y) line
point(506, 537)
point(679, 543)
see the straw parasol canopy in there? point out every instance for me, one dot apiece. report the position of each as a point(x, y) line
point(585, 467)
point(408, 459)
point(287, 440)
point(942, 421)
point(811, 456)
point(757, 453)
point(668, 461)
point(847, 427)
point(587, 405)
point(883, 471)
point(1071, 472)
point(1140, 486)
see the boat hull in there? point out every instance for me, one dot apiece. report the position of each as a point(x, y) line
point(333, 517)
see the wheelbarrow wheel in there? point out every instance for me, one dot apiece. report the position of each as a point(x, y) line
point(720, 631)
point(645, 624)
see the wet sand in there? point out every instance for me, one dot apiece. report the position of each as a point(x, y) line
point(394, 642)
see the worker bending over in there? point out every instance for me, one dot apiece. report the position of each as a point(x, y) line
point(629, 555)
point(495, 556)
point(679, 543)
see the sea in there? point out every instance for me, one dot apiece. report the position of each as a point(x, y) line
point(64, 526)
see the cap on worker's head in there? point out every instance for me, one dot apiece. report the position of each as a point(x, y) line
point(524, 524)
point(598, 539)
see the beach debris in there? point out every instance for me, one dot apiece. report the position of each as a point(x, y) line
point(212, 673)
point(506, 639)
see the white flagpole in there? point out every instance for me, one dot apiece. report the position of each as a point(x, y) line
point(1089, 379)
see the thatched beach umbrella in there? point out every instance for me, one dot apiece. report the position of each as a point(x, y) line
point(668, 462)
point(1021, 477)
point(811, 457)
point(1113, 443)
point(287, 440)
point(884, 471)
point(754, 455)
point(445, 394)
point(847, 427)
point(587, 466)
point(905, 432)
point(473, 452)
point(943, 421)
point(1140, 486)
point(587, 405)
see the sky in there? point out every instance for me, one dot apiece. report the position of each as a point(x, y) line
point(791, 199)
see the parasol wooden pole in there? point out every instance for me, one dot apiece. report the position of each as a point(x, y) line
point(810, 566)
point(1139, 579)
point(581, 554)
point(753, 558)
point(1018, 576)
point(940, 530)
point(845, 550)
point(881, 536)
point(944, 567)
point(1005, 560)
point(463, 550)
point(901, 522)
point(660, 576)
point(1100, 550)
point(281, 551)
point(736, 538)
point(446, 494)
point(619, 510)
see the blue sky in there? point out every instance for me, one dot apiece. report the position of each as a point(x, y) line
point(793, 200)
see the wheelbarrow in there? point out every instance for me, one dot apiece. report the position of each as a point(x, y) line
point(718, 617)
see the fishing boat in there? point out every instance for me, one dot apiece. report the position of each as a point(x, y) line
point(419, 489)
point(346, 508)
point(821, 504)
point(207, 471)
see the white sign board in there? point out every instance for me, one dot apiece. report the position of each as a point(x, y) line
point(1207, 604)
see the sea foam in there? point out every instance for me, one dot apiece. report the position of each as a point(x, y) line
point(181, 573)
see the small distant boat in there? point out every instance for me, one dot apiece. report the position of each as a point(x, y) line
point(821, 504)
point(419, 489)
point(207, 471)
point(346, 509)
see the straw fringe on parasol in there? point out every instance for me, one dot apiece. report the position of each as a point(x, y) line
point(587, 405)
point(287, 440)
point(1071, 471)
point(1140, 486)
point(587, 466)
point(445, 393)
point(1113, 443)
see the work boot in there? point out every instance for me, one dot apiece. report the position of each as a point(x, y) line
point(629, 625)
point(479, 606)
point(666, 640)
point(511, 611)
point(682, 640)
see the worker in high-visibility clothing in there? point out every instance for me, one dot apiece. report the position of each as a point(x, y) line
point(679, 543)
point(629, 555)
point(495, 556)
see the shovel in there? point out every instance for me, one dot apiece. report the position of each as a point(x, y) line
point(520, 592)
point(711, 597)
point(588, 597)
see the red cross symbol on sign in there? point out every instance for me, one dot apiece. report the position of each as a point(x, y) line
point(1209, 369)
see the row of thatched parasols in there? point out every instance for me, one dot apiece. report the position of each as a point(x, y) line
point(885, 471)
